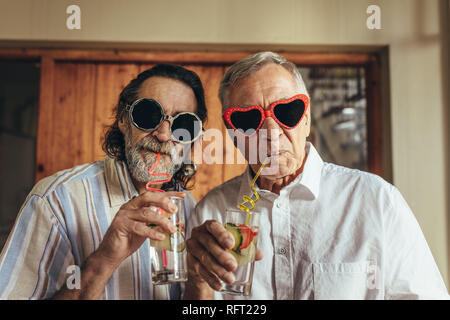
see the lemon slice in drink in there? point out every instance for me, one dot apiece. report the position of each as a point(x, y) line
point(245, 255)
point(176, 240)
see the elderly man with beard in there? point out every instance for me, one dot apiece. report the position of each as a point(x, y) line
point(83, 232)
point(325, 231)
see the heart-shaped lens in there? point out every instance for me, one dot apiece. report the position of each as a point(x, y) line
point(290, 113)
point(147, 114)
point(246, 121)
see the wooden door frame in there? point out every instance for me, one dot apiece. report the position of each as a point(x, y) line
point(378, 133)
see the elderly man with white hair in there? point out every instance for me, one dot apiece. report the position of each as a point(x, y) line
point(325, 231)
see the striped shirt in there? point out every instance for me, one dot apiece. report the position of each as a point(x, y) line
point(61, 222)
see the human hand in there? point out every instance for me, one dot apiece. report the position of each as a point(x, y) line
point(130, 226)
point(207, 256)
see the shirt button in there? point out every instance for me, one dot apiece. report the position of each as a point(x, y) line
point(282, 251)
point(278, 205)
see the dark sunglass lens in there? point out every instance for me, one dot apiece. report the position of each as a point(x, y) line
point(290, 113)
point(186, 127)
point(147, 114)
point(246, 121)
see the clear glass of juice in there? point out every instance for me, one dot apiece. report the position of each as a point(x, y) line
point(244, 229)
point(168, 256)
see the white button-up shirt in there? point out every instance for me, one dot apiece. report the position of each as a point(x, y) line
point(332, 233)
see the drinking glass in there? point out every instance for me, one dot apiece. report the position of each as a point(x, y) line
point(168, 256)
point(244, 228)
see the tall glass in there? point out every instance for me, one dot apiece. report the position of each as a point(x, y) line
point(244, 229)
point(168, 256)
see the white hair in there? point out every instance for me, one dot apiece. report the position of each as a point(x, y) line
point(253, 63)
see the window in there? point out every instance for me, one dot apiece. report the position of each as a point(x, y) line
point(338, 112)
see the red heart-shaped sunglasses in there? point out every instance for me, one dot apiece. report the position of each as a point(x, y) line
point(288, 113)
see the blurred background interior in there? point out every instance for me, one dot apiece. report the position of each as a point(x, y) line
point(380, 99)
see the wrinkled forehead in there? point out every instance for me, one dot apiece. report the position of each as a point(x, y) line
point(173, 95)
point(263, 87)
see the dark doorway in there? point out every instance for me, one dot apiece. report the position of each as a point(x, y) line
point(19, 96)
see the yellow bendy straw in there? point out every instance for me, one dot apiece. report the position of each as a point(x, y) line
point(248, 199)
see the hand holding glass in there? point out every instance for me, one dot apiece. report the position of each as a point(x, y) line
point(244, 229)
point(168, 256)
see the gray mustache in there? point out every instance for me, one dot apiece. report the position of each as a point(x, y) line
point(153, 145)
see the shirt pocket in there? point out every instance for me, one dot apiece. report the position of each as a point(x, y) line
point(340, 281)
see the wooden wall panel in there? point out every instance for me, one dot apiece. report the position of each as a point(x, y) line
point(73, 119)
point(67, 119)
point(143, 67)
point(111, 80)
point(208, 175)
point(184, 57)
point(239, 164)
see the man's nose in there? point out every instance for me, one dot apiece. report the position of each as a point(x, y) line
point(163, 132)
point(271, 129)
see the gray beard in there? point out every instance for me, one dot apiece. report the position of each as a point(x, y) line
point(141, 157)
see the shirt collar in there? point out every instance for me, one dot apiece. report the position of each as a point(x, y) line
point(308, 180)
point(312, 172)
point(118, 182)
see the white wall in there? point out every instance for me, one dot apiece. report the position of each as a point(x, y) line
point(411, 29)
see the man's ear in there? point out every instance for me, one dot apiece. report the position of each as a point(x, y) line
point(308, 122)
point(121, 124)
